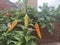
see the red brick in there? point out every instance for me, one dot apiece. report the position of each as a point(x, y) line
point(33, 3)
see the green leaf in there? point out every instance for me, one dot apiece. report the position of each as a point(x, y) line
point(27, 38)
point(31, 43)
point(18, 43)
point(11, 41)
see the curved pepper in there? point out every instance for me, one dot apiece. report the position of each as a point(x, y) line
point(12, 26)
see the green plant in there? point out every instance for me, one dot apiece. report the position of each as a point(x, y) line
point(17, 38)
point(47, 16)
point(19, 35)
point(44, 17)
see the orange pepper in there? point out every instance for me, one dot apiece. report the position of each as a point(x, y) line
point(38, 30)
point(12, 26)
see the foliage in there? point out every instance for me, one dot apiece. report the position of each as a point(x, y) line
point(19, 35)
point(44, 18)
point(47, 16)
point(17, 38)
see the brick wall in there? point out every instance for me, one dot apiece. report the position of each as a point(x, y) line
point(33, 3)
point(57, 32)
point(6, 4)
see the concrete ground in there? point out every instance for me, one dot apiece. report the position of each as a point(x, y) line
point(54, 43)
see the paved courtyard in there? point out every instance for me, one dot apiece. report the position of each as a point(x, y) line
point(54, 43)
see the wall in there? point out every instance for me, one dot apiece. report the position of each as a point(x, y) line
point(33, 3)
point(57, 32)
point(6, 4)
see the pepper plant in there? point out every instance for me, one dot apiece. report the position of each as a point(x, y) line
point(13, 30)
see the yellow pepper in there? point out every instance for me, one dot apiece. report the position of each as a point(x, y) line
point(26, 20)
point(12, 26)
point(38, 30)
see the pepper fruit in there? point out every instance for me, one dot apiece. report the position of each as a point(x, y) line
point(38, 30)
point(26, 20)
point(12, 26)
